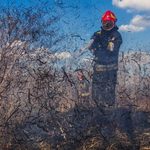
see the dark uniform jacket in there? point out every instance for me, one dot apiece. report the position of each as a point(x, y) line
point(106, 46)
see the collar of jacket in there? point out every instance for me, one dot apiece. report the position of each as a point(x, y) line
point(110, 31)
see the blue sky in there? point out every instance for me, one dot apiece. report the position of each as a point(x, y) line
point(82, 17)
point(134, 23)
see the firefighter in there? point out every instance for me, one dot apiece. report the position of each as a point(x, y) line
point(105, 46)
point(83, 88)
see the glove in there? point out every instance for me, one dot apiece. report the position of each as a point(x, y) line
point(110, 46)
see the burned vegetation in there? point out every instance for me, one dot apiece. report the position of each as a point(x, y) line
point(39, 105)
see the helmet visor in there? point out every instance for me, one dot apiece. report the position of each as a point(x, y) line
point(108, 25)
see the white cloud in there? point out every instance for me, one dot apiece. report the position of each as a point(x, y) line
point(131, 28)
point(139, 20)
point(137, 24)
point(142, 5)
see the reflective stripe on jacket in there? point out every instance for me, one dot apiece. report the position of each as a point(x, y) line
point(100, 68)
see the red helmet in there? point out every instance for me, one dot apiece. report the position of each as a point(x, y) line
point(108, 20)
point(109, 16)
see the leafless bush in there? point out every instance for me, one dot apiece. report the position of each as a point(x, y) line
point(30, 85)
point(133, 78)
